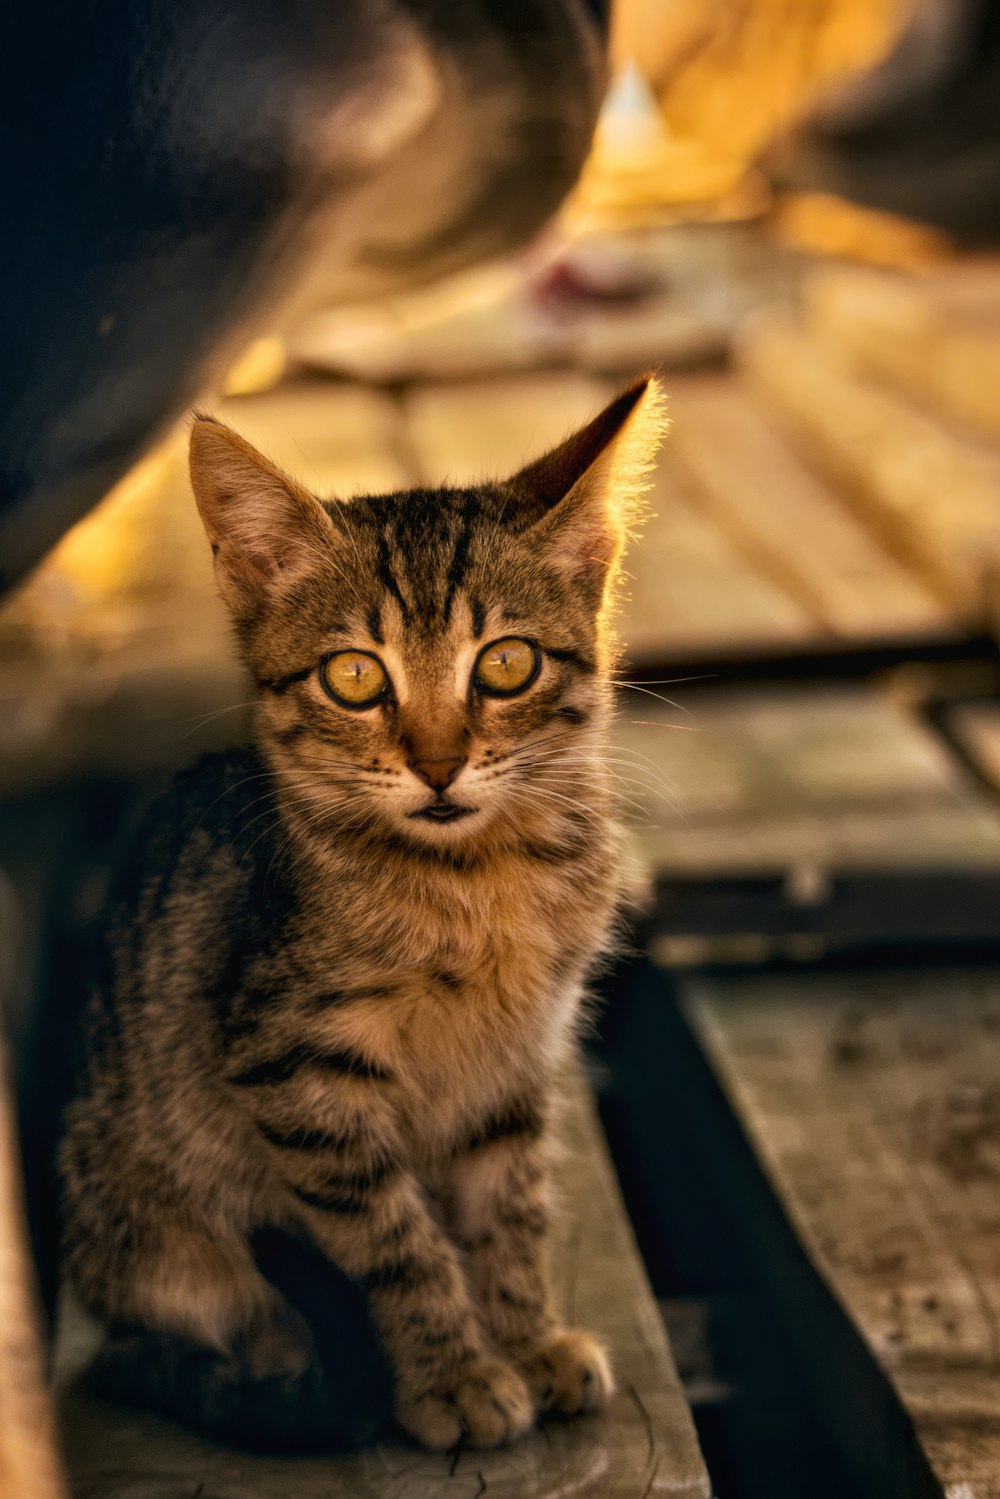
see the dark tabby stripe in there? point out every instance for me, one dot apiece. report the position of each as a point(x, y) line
point(573, 658)
point(430, 853)
point(280, 1068)
point(459, 563)
point(345, 996)
point(523, 1119)
point(278, 685)
point(375, 625)
point(388, 580)
point(331, 1201)
point(407, 1274)
point(530, 1219)
point(553, 853)
point(532, 1305)
point(430, 1339)
point(398, 1231)
point(478, 609)
point(289, 735)
point(571, 714)
point(306, 1139)
point(348, 1193)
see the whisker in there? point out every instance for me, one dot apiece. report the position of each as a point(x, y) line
point(655, 723)
point(199, 720)
point(634, 687)
point(705, 676)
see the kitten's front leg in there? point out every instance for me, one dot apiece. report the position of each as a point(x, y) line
point(499, 1197)
point(367, 1211)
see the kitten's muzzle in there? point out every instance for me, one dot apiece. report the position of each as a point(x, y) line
point(437, 774)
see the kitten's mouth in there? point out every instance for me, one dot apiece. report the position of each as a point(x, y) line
point(442, 810)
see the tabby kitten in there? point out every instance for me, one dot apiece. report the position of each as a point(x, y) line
point(348, 966)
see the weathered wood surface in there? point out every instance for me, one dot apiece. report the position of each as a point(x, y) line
point(804, 779)
point(792, 525)
point(977, 727)
point(932, 338)
point(338, 439)
point(874, 1106)
point(29, 1467)
point(932, 495)
point(643, 1445)
point(461, 433)
point(690, 591)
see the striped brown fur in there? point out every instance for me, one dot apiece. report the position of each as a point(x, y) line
point(326, 1013)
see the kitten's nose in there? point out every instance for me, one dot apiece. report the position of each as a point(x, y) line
point(437, 773)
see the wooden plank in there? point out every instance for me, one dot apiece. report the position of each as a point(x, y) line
point(793, 526)
point(337, 438)
point(462, 433)
point(872, 1104)
point(977, 726)
point(933, 496)
point(29, 1466)
point(644, 1444)
point(915, 333)
point(807, 779)
point(688, 590)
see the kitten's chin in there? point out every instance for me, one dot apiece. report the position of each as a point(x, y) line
point(443, 812)
point(443, 823)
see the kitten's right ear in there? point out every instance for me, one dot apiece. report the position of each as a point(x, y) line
point(265, 529)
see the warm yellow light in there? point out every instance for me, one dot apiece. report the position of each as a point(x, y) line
point(259, 367)
point(827, 225)
point(99, 555)
point(724, 79)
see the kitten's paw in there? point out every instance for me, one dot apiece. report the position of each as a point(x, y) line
point(487, 1403)
point(569, 1373)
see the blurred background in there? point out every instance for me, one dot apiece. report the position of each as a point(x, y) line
point(791, 208)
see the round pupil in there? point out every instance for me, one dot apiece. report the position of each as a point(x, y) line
point(507, 665)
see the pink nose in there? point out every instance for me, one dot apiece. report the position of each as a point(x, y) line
point(437, 773)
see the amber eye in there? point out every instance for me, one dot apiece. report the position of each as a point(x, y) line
point(507, 666)
point(354, 678)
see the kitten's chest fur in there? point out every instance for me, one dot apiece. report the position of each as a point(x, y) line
point(469, 985)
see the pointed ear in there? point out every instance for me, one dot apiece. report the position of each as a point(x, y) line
point(265, 529)
point(591, 485)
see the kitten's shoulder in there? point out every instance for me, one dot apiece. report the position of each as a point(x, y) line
point(220, 808)
point(218, 790)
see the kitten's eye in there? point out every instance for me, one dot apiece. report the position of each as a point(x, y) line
point(354, 678)
point(507, 666)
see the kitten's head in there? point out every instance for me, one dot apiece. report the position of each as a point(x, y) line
point(432, 663)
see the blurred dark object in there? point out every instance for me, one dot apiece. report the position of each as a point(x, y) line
point(920, 134)
point(171, 172)
point(814, 916)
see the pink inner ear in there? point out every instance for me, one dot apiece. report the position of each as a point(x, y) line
point(553, 476)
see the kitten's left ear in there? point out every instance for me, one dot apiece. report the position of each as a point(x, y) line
point(592, 485)
point(264, 527)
